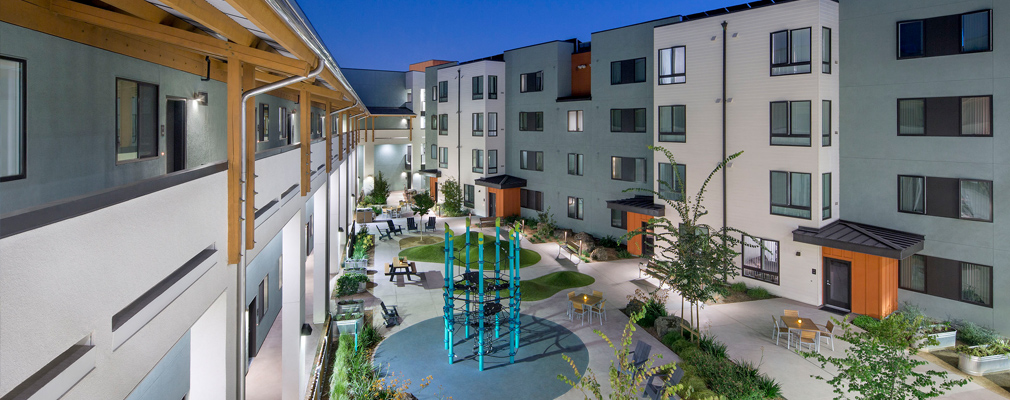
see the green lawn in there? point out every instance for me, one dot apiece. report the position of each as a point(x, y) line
point(547, 285)
point(436, 253)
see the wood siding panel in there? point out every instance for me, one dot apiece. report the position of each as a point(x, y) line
point(581, 78)
point(874, 285)
point(634, 222)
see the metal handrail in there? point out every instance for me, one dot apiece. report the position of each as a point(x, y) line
point(319, 363)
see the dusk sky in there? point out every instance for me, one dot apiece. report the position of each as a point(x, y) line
point(391, 34)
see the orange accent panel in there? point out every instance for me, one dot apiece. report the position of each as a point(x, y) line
point(635, 221)
point(874, 283)
point(419, 67)
point(433, 188)
point(506, 201)
point(582, 78)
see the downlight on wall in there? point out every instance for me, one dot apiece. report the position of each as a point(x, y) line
point(200, 98)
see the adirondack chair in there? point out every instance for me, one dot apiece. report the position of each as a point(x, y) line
point(655, 391)
point(397, 229)
point(390, 314)
point(430, 226)
point(639, 356)
point(384, 233)
point(412, 225)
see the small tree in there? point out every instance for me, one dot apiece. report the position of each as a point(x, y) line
point(880, 364)
point(694, 258)
point(453, 195)
point(422, 204)
point(380, 189)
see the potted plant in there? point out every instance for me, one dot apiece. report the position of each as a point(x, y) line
point(350, 322)
point(984, 359)
point(945, 335)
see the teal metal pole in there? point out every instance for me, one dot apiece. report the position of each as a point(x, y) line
point(497, 274)
point(467, 265)
point(450, 304)
point(480, 296)
point(519, 292)
point(513, 267)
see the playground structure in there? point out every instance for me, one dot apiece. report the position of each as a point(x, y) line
point(480, 290)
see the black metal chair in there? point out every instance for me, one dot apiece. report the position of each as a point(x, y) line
point(430, 226)
point(655, 391)
point(390, 315)
point(412, 225)
point(397, 229)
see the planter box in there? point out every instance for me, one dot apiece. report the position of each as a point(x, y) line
point(945, 339)
point(350, 326)
point(979, 366)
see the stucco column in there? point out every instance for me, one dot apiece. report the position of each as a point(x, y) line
point(293, 309)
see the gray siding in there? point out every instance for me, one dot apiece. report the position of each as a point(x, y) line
point(266, 264)
point(169, 379)
point(378, 88)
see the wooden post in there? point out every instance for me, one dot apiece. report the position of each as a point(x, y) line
point(248, 83)
point(373, 130)
point(410, 126)
point(340, 136)
point(305, 104)
point(234, 91)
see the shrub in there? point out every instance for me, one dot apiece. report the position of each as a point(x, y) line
point(738, 287)
point(972, 334)
point(452, 204)
point(369, 336)
point(758, 293)
point(546, 223)
point(711, 346)
point(623, 253)
point(339, 378)
point(609, 242)
point(653, 303)
point(347, 284)
point(866, 322)
point(380, 190)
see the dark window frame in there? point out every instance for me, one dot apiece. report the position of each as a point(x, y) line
point(826, 64)
point(525, 195)
point(538, 82)
point(443, 96)
point(579, 164)
point(477, 154)
point(898, 116)
point(925, 274)
point(992, 208)
point(434, 151)
point(477, 123)
point(922, 22)
point(922, 38)
point(624, 219)
point(827, 208)
point(492, 132)
point(157, 113)
point(673, 66)
point(826, 136)
point(477, 87)
point(538, 121)
point(789, 194)
point(677, 178)
point(633, 128)
point(580, 211)
point(434, 93)
point(492, 168)
point(789, 55)
point(634, 63)
point(960, 283)
point(468, 195)
point(443, 124)
point(925, 116)
point(645, 170)
point(925, 196)
point(676, 135)
point(789, 124)
point(24, 122)
point(443, 157)
point(761, 248)
point(492, 90)
point(579, 121)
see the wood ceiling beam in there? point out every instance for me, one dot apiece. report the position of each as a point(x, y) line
point(209, 16)
point(314, 90)
point(269, 22)
point(187, 40)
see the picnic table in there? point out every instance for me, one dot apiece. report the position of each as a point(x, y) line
point(400, 268)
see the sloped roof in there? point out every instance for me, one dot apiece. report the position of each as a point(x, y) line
point(501, 182)
point(639, 204)
point(862, 238)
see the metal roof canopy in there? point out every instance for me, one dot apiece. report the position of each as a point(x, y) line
point(390, 111)
point(501, 182)
point(639, 204)
point(434, 173)
point(862, 238)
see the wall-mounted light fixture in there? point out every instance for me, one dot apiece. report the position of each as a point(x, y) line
point(306, 330)
point(201, 98)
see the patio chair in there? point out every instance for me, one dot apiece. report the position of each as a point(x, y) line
point(655, 392)
point(397, 229)
point(430, 225)
point(571, 296)
point(640, 356)
point(808, 338)
point(791, 313)
point(412, 225)
point(384, 233)
point(597, 293)
point(599, 310)
point(390, 315)
point(580, 310)
point(778, 331)
point(828, 332)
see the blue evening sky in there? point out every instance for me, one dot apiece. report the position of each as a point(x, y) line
point(391, 34)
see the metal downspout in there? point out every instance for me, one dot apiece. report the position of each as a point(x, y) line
point(724, 196)
point(459, 127)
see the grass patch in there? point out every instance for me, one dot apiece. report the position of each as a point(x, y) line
point(547, 285)
point(415, 241)
point(436, 252)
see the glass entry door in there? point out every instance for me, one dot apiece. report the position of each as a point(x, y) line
point(838, 284)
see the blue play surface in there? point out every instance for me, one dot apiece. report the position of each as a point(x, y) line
point(418, 351)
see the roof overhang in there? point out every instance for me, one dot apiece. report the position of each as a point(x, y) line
point(433, 173)
point(390, 111)
point(639, 204)
point(862, 238)
point(501, 182)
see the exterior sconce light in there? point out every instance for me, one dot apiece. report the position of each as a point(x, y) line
point(306, 329)
point(200, 98)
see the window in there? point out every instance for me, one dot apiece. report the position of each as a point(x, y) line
point(673, 124)
point(443, 124)
point(262, 123)
point(976, 200)
point(531, 199)
point(410, 95)
point(443, 157)
point(477, 87)
point(826, 196)
point(575, 207)
point(575, 164)
point(790, 194)
point(531, 121)
point(531, 160)
point(282, 116)
point(790, 123)
point(761, 259)
point(627, 120)
point(492, 86)
point(478, 160)
point(825, 50)
point(434, 122)
point(976, 116)
point(619, 219)
point(791, 52)
point(671, 181)
point(492, 124)
point(136, 119)
point(945, 35)
point(912, 273)
point(945, 116)
point(911, 116)
point(672, 65)
point(443, 91)
point(575, 120)
point(467, 195)
point(434, 151)
point(627, 169)
point(423, 103)
point(531, 82)
point(422, 119)
point(825, 123)
point(627, 71)
point(912, 194)
point(492, 161)
point(976, 284)
point(478, 124)
point(434, 93)
point(13, 133)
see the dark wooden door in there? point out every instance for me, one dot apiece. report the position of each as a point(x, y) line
point(492, 201)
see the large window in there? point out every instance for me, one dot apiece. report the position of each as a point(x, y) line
point(761, 259)
point(976, 200)
point(477, 86)
point(825, 122)
point(478, 161)
point(826, 196)
point(790, 52)
point(443, 157)
point(137, 120)
point(673, 123)
point(790, 194)
point(492, 86)
point(263, 123)
point(531, 121)
point(531, 82)
point(671, 181)
point(434, 93)
point(672, 65)
point(826, 50)
point(531, 160)
point(468, 195)
point(627, 169)
point(434, 151)
point(434, 122)
point(627, 120)
point(443, 124)
point(492, 124)
point(575, 210)
point(443, 91)
point(531, 199)
point(627, 71)
point(492, 161)
point(945, 116)
point(12, 118)
point(575, 164)
point(912, 194)
point(790, 123)
point(619, 219)
point(575, 121)
point(477, 120)
point(912, 273)
point(969, 199)
point(945, 35)
point(976, 284)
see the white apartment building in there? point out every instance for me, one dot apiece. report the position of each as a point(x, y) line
point(470, 126)
point(762, 79)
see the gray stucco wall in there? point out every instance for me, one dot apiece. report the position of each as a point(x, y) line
point(71, 118)
point(389, 161)
point(872, 155)
point(378, 88)
point(266, 264)
point(273, 125)
point(431, 108)
point(169, 379)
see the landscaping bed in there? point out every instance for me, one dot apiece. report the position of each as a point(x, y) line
point(739, 292)
point(436, 252)
point(415, 241)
